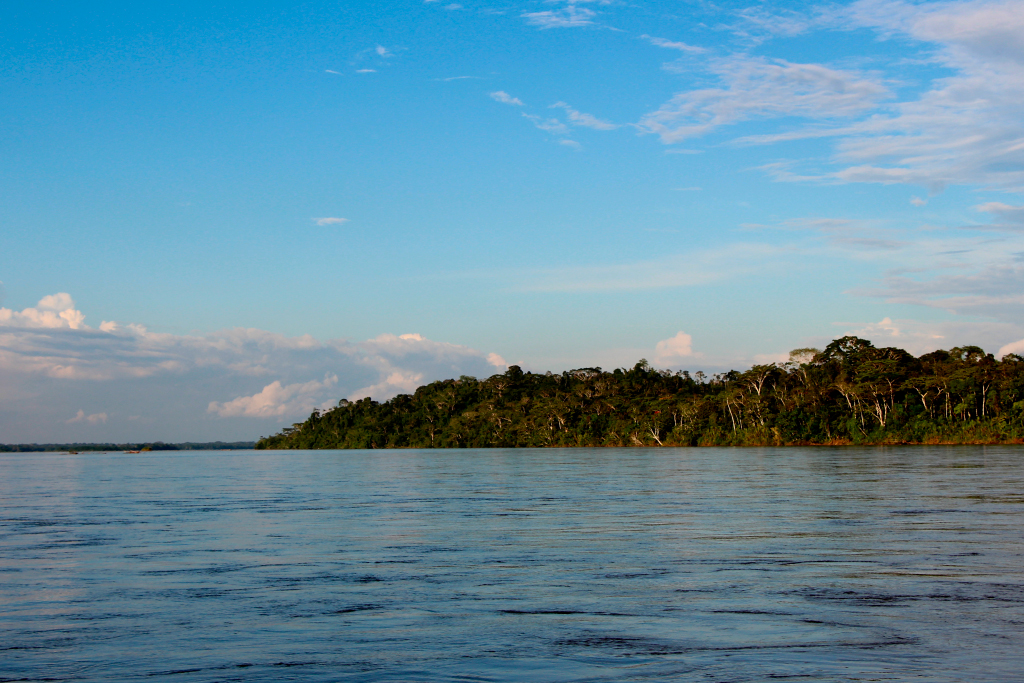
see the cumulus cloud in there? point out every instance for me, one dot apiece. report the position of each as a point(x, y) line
point(1016, 347)
point(183, 383)
point(674, 348)
point(52, 311)
point(95, 418)
point(276, 400)
point(330, 220)
point(396, 383)
point(502, 96)
point(755, 87)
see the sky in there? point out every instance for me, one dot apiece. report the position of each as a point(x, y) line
point(216, 217)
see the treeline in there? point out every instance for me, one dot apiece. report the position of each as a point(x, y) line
point(103, 447)
point(849, 393)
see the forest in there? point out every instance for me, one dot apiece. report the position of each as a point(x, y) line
point(849, 393)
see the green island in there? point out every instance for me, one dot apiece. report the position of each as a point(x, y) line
point(849, 393)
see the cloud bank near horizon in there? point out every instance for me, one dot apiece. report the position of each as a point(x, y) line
point(64, 380)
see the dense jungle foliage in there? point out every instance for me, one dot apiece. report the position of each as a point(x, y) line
point(849, 393)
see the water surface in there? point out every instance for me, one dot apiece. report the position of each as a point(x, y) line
point(809, 564)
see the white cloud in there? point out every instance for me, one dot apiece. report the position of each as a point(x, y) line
point(1016, 347)
point(568, 17)
point(497, 361)
point(1011, 217)
point(382, 51)
point(396, 383)
point(923, 336)
point(553, 126)
point(917, 201)
point(754, 87)
point(966, 128)
point(758, 23)
point(502, 96)
point(366, 71)
point(52, 311)
point(674, 348)
point(277, 400)
point(80, 416)
point(682, 47)
point(586, 120)
point(330, 220)
point(183, 382)
point(330, 71)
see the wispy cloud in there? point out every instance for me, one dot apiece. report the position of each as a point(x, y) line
point(754, 87)
point(674, 45)
point(553, 126)
point(505, 98)
point(966, 128)
point(1009, 217)
point(681, 270)
point(568, 17)
point(846, 232)
point(330, 220)
point(578, 118)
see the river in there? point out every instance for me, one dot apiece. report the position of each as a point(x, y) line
point(755, 564)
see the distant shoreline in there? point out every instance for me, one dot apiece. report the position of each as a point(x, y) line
point(137, 446)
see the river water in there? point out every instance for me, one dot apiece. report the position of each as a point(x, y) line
point(809, 564)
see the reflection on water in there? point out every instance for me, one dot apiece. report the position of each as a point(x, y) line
point(528, 565)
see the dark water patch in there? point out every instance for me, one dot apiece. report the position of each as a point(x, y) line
point(359, 608)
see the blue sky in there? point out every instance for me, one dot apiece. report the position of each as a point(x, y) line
point(216, 217)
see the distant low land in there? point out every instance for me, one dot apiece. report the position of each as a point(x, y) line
point(849, 393)
point(152, 446)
